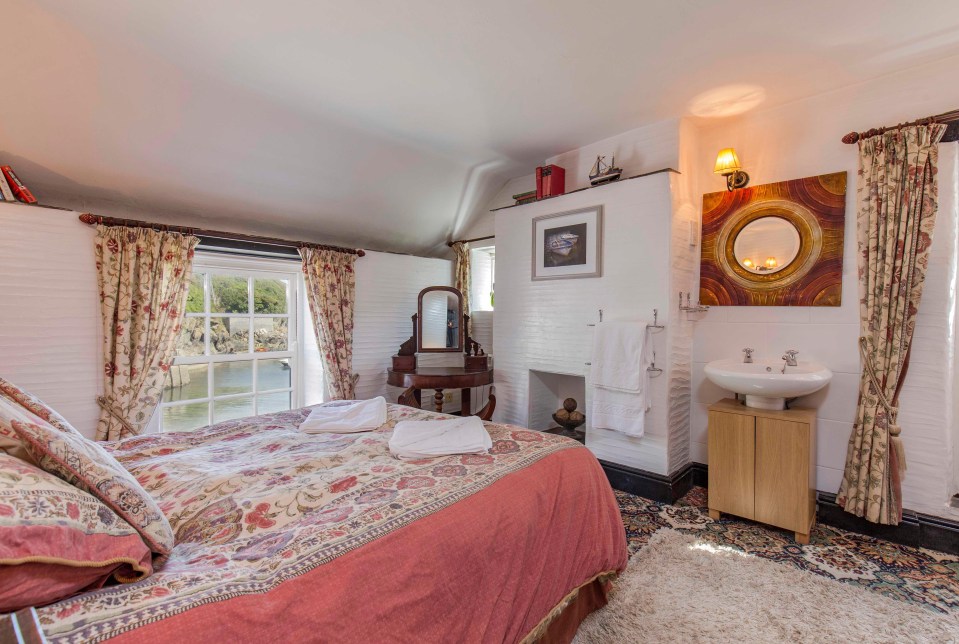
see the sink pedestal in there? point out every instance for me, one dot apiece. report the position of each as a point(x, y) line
point(765, 402)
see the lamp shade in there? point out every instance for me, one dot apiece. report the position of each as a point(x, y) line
point(727, 162)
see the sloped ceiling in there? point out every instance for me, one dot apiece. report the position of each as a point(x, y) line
point(388, 124)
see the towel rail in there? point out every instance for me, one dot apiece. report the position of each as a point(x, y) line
point(652, 368)
point(654, 325)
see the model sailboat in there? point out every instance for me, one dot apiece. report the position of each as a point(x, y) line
point(602, 173)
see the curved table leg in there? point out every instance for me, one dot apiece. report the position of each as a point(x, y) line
point(409, 398)
point(486, 413)
point(438, 400)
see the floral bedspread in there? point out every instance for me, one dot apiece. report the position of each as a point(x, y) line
point(254, 502)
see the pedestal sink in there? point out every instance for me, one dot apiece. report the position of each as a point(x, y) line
point(763, 382)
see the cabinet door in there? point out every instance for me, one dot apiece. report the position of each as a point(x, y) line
point(732, 458)
point(782, 474)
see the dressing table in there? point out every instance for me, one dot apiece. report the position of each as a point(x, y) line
point(440, 326)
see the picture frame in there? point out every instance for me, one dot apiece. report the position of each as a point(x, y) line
point(568, 244)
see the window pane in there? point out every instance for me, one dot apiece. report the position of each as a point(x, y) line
point(273, 374)
point(191, 341)
point(230, 294)
point(229, 335)
point(194, 299)
point(270, 334)
point(270, 403)
point(184, 417)
point(185, 382)
point(232, 378)
point(269, 295)
point(232, 408)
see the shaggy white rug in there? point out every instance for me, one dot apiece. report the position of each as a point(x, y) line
point(679, 589)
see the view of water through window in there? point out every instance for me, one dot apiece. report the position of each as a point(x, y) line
point(230, 316)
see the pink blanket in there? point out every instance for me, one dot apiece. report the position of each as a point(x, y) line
point(286, 536)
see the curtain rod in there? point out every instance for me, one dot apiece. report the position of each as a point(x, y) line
point(949, 118)
point(467, 241)
point(90, 219)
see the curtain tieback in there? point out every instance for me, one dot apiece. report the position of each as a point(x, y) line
point(109, 405)
point(892, 411)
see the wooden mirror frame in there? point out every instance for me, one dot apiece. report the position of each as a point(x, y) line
point(419, 321)
point(814, 206)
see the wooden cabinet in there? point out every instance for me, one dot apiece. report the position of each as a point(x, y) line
point(762, 465)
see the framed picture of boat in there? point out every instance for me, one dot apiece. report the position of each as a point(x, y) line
point(568, 244)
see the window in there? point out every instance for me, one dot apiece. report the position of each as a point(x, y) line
point(236, 353)
point(482, 276)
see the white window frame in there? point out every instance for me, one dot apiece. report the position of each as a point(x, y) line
point(212, 264)
point(480, 301)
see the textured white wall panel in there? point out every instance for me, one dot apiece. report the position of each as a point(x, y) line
point(542, 325)
point(50, 310)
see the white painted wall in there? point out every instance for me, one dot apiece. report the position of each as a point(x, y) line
point(803, 139)
point(50, 311)
point(542, 325)
point(50, 342)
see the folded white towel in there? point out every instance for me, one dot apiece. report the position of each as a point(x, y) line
point(617, 410)
point(414, 439)
point(346, 416)
point(620, 354)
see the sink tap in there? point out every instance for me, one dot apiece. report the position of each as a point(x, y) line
point(748, 358)
point(790, 358)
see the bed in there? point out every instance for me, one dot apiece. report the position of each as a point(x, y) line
point(286, 536)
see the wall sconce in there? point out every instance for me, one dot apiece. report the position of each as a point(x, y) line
point(748, 263)
point(727, 164)
point(771, 262)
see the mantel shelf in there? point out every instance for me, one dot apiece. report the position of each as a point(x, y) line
point(611, 183)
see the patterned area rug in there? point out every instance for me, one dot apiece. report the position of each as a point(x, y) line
point(923, 577)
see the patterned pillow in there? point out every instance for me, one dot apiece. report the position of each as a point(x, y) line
point(34, 405)
point(56, 540)
point(10, 443)
point(84, 463)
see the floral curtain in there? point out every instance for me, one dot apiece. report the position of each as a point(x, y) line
point(896, 213)
point(331, 292)
point(462, 280)
point(143, 276)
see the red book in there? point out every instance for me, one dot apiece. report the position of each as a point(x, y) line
point(554, 181)
point(539, 182)
point(20, 191)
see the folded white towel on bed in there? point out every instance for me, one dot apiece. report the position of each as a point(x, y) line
point(346, 416)
point(414, 439)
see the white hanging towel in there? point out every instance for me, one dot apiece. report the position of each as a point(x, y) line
point(414, 439)
point(346, 416)
point(619, 377)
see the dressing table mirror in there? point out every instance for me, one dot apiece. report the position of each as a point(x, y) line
point(440, 326)
point(439, 313)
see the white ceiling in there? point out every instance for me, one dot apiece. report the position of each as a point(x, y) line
point(390, 124)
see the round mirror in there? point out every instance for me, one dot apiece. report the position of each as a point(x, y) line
point(766, 245)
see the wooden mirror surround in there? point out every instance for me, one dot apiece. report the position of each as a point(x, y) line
point(439, 320)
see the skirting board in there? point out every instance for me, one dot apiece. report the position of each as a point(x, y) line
point(658, 487)
point(916, 529)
